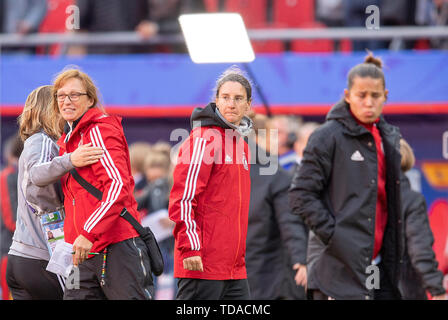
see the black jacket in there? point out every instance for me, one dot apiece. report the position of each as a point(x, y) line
point(276, 239)
point(420, 265)
point(336, 193)
point(154, 196)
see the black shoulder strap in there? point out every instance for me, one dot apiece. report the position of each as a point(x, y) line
point(129, 218)
point(86, 185)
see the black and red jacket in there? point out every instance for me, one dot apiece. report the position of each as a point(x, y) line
point(335, 191)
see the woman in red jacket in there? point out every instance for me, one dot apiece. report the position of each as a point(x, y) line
point(93, 222)
point(209, 201)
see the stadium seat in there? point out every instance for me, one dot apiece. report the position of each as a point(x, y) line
point(254, 12)
point(268, 46)
point(54, 22)
point(345, 45)
point(317, 45)
point(211, 5)
point(293, 13)
point(422, 44)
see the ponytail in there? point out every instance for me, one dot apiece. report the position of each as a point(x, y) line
point(371, 67)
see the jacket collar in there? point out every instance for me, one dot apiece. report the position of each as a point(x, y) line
point(210, 116)
point(88, 117)
point(68, 128)
point(341, 113)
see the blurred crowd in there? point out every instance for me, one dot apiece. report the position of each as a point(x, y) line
point(152, 164)
point(273, 233)
point(152, 167)
point(152, 18)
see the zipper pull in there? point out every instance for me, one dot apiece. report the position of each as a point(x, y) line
point(73, 201)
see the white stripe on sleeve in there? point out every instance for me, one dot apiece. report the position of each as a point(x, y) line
point(45, 149)
point(113, 174)
point(189, 191)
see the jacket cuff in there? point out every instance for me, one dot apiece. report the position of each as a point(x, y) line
point(437, 291)
point(89, 236)
point(191, 253)
point(66, 162)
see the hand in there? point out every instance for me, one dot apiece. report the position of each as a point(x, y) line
point(193, 263)
point(86, 155)
point(301, 276)
point(81, 249)
point(166, 223)
point(147, 29)
point(440, 297)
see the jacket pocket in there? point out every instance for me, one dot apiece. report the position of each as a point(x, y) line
point(218, 240)
point(326, 235)
point(85, 205)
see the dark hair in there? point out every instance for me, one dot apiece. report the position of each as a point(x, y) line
point(371, 67)
point(234, 74)
point(13, 147)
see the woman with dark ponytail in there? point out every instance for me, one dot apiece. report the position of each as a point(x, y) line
point(347, 191)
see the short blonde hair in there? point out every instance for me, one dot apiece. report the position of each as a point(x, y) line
point(137, 154)
point(260, 121)
point(407, 156)
point(162, 146)
point(157, 159)
point(38, 114)
point(87, 82)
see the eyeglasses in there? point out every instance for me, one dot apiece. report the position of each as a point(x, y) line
point(237, 100)
point(72, 96)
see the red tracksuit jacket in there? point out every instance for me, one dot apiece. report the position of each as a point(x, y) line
point(209, 203)
point(99, 221)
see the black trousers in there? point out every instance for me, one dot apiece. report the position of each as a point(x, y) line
point(127, 274)
point(387, 290)
point(201, 289)
point(28, 280)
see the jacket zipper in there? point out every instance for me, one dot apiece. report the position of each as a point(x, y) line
point(73, 202)
point(239, 221)
point(69, 183)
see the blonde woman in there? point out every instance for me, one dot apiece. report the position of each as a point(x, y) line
point(39, 193)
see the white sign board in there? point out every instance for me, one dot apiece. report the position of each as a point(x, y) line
point(216, 38)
